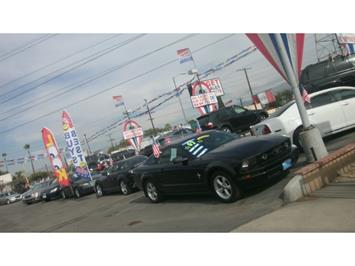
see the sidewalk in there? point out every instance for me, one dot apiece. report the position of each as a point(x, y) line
point(308, 215)
point(330, 209)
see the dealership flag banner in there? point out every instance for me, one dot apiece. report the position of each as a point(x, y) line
point(347, 43)
point(184, 55)
point(73, 146)
point(133, 132)
point(293, 44)
point(202, 98)
point(118, 100)
point(54, 157)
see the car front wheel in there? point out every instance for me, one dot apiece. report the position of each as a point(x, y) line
point(77, 193)
point(125, 188)
point(224, 187)
point(8, 202)
point(152, 192)
point(227, 129)
point(99, 192)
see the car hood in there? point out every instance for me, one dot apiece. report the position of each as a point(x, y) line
point(245, 147)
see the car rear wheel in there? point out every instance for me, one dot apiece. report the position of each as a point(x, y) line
point(77, 193)
point(152, 192)
point(224, 187)
point(227, 129)
point(99, 192)
point(125, 188)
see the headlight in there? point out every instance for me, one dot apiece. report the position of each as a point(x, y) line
point(35, 195)
point(12, 198)
point(245, 164)
point(53, 190)
point(130, 172)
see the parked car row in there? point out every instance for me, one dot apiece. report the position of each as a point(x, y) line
point(9, 197)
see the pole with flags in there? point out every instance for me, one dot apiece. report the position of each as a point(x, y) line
point(285, 52)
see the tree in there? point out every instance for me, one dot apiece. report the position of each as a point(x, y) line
point(283, 97)
point(38, 176)
point(18, 182)
point(123, 144)
point(167, 127)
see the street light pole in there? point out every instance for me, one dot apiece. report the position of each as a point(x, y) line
point(181, 106)
point(250, 90)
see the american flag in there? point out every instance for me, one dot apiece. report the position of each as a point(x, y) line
point(118, 100)
point(184, 55)
point(156, 150)
point(305, 95)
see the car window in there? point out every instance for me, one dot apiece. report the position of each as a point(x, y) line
point(198, 146)
point(165, 156)
point(344, 94)
point(321, 100)
point(238, 109)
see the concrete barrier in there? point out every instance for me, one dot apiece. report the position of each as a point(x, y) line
point(319, 173)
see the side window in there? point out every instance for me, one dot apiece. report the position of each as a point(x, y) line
point(344, 94)
point(165, 156)
point(321, 100)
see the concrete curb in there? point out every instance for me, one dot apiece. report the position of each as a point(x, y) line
point(317, 174)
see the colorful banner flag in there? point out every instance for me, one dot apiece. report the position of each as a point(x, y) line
point(54, 157)
point(118, 100)
point(184, 55)
point(202, 98)
point(73, 146)
point(292, 43)
point(133, 132)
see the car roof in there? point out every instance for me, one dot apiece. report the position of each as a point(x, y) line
point(185, 138)
point(331, 89)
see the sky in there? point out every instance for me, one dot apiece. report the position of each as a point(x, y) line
point(34, 68)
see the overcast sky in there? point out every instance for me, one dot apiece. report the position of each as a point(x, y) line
point(52, 55)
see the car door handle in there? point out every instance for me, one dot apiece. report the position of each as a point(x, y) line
point(310, 114)
point(345, 104)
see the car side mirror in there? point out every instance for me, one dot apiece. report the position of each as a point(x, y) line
point(180, 159)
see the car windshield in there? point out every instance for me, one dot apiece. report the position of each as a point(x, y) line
point(198, 146)
point(238, 109)
point(282, 109)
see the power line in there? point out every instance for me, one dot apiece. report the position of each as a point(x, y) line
point(59, 60)
point(26, 46)
point(112, 87)
point(88, 59)
point(104, 73)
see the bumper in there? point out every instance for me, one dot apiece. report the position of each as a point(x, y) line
point(276, 169)
point(32, 200)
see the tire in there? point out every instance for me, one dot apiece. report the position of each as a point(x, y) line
point(77, 193)
point(152, 192)
point(224, 187)
point(8, 202)
point(98, 190)
point(125, 188)
point(263, 116)
point(227, 129)
point(296, 138)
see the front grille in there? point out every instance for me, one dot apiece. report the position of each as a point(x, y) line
point(273, 154)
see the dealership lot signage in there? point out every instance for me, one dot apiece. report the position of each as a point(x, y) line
point(133, 132)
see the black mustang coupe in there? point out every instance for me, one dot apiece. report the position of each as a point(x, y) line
point(215, 161)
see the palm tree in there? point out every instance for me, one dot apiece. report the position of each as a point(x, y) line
point(4, 156)
point(27, 147)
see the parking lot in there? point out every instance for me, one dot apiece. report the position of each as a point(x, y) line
point(135, 213)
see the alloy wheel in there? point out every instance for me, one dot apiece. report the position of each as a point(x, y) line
point(223, 187)
point(152, 191)
point(99, 192)
point(124, 187)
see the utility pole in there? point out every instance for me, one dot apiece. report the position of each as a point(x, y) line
point(87, 144)
point(110, 139)
point(4, 156)
point(241, 102)
point(250, 90)
point(150, 116)
point(181, 106)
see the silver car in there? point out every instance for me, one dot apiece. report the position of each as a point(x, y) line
point(9, 197)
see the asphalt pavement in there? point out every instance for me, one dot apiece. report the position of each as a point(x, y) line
point(135, 213)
